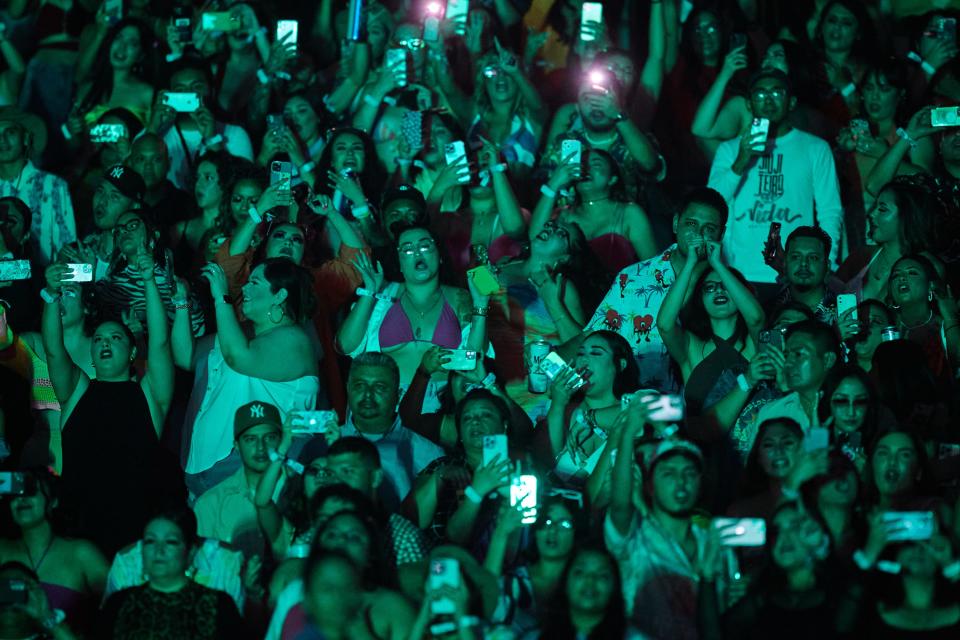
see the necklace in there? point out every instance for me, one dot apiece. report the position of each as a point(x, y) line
point(36, 565)
point(439, 295)
point(604, 141)
point(590, 203)
point(909, 327)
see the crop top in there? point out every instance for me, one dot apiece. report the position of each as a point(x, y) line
point(396, 328)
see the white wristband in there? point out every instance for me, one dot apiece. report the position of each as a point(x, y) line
point(370, 100)
point(307, 167)
point(173, 57)
point(860, 559)
point(366, 293)
point(547, 191)
point(743, 383)
point(848, 90)
point(49, 296)
point(928, 68)
point(255, 215)
point(361, 212)
point(216, 139)
point(902, 133)
point(499, 168)
point(472, 495)
point(263, 77)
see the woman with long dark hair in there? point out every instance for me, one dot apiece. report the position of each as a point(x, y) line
point(715, 331)
point(849, 403)
point(122, 77)
point(617, 230)
point(579, 422)
point(588, 602)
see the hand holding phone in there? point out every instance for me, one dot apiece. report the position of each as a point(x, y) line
point(741, 532)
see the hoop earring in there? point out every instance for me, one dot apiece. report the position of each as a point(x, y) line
point(270, 314)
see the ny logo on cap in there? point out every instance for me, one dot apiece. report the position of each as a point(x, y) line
point(256, 411)
point(116, 172)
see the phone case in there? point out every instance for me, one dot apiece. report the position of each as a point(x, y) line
point(741, 532)
point(485, 280)
point(461, 360)
point(14, 270)
point(494, 446)
point(846, 302)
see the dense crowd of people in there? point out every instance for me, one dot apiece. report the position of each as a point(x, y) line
point(412, 319)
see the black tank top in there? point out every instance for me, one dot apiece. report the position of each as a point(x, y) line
point(115, 472)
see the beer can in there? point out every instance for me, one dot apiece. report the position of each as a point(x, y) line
point(537, 380)
point(889, 333)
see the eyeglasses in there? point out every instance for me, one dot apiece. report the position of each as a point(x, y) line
point(706, 29)
point(128, 227)
point(413, 44)
point(775, 94)
point(565, 524)
point(713, 287)
point(424, 246)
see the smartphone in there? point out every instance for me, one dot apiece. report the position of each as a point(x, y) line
point(947, 29)
point(591, 12)
point(770, 338)
point(847, 302)
point(14, 270)
point(457, 11)
point(572, 149)
point(280, 172)
point(666, 407)
point(523, 494)
point(13, 592)
point(444, 572)
point(453, 152)
point(287, 31)
point(461, 360)
point(219, 21)
point(396, 60)
point(484, 279)
point(773, 243)
point(626, 399)
point(495, 447)
point(79, 272)
point(741, 532)
point(182, 102)
point(816, 439)
point(948, 450)
point(412, 129)
point(113, 9)
point(757, 127)
point(12, 483)
point(275, 123)
point(182, 24)
point(908, 525)
point(311, 422)
point(553, 365)
point(103, 133)
point(737, 40)
point(431, 23)
point(945, 117)
point(853, 446)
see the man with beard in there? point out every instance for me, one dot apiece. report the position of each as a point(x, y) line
point(373, 391)
point(805, 263)
point(653, 537)
point(120, 190)
point(22, 136)
point(600, 122)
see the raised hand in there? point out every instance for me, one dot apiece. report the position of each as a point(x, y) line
point(213, 273)
point(373, 278)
